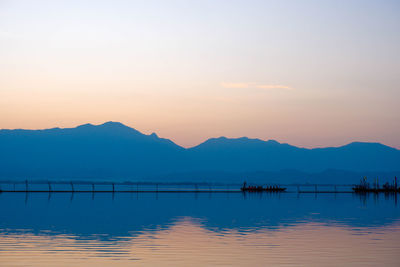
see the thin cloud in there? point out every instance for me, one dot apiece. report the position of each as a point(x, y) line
point(255, 85)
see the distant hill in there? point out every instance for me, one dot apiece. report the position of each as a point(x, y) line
point(114, 151)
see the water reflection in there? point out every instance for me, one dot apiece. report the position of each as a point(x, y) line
point(198, 229)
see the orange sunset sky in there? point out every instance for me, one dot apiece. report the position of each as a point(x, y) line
point(309, 73)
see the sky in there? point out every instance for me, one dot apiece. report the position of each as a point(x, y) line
point(309, 73)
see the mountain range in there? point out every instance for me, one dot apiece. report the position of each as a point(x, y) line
point(113, 151)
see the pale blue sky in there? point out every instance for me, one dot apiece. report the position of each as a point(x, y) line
point(311, 73)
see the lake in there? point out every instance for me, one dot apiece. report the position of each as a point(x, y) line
point(199, 229)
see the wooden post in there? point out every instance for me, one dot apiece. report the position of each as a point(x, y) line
point(113, 187)
point(72, 186)
point(298, 189)
point(316, 190)
point(157, 187)
point(26, 185)
point(92, 187)
point(49, 186)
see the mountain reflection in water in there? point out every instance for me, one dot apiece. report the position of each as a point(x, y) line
point(199, 229)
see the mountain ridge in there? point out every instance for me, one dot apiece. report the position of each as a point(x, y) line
point(116, 151)
point(115, 125)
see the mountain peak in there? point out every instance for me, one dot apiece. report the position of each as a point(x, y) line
point(108, 124)
point(109, 128)
point(369, 145)
point(86, 125)
point(241, 141)
point(154, 135)
point(273, 142)
point(113, 124)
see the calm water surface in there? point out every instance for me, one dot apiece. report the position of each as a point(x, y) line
point(198, 229)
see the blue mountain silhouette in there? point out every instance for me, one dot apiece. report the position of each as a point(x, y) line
point(115, 151)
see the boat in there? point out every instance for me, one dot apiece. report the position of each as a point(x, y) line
point(259, 188)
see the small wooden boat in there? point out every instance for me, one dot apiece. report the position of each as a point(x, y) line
point(259, 188)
